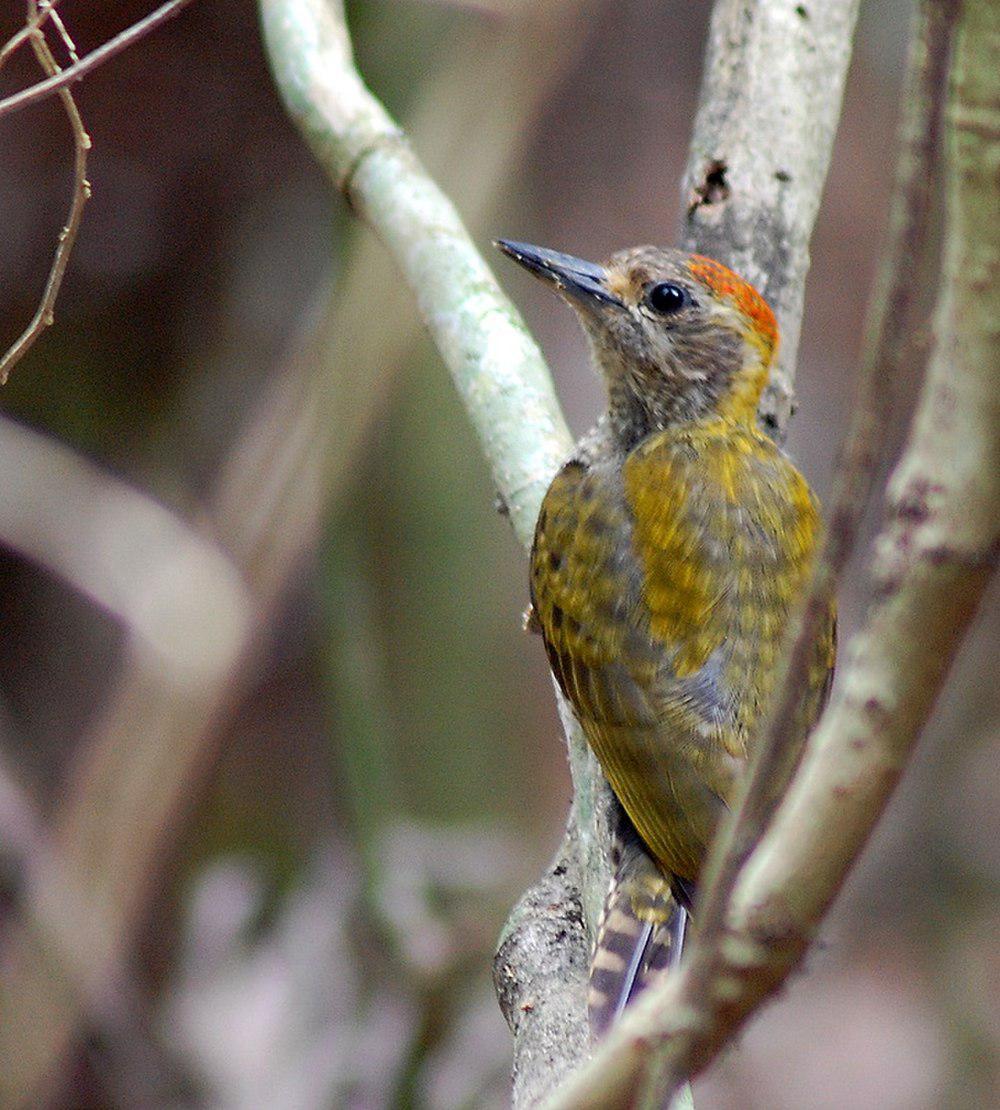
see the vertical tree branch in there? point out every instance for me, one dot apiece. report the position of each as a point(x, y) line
point(771, 94)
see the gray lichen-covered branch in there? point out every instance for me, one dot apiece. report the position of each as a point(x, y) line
point(763, 135)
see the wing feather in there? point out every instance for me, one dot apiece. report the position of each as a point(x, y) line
point(662, 587)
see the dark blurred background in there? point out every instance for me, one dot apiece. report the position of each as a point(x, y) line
point(385, 772)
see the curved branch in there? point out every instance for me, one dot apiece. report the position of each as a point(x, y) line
point(504, 383)
point(496, 365)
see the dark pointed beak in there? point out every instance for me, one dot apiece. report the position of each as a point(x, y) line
point(582, 282)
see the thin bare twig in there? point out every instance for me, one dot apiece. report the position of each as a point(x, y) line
point(48, 7)
point(91, 61)
point(45, 11)
point(45, 313)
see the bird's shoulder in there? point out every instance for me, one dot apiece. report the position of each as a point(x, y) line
point(732, 469)
point(676, 558)
point(724, 525)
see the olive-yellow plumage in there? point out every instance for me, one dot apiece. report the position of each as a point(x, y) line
point(668, 554)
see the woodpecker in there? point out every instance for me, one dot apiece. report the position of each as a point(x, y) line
point(669, 553)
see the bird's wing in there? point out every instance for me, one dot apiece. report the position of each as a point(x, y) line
point(641, 719)
point(662, 589)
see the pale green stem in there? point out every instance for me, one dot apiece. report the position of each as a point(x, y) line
point(497, 368)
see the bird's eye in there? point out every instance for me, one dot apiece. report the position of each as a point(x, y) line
point(665, 297)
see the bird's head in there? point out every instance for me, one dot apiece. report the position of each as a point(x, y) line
point(678, 337)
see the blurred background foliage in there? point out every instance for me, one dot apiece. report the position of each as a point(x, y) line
point(320, 925)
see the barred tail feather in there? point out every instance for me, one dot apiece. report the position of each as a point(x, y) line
point(640, 933)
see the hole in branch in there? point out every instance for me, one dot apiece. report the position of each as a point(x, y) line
point(713, 188)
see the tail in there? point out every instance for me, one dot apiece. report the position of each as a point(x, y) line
point(640, 933)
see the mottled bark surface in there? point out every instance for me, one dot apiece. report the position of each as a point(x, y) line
point(771, 95)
